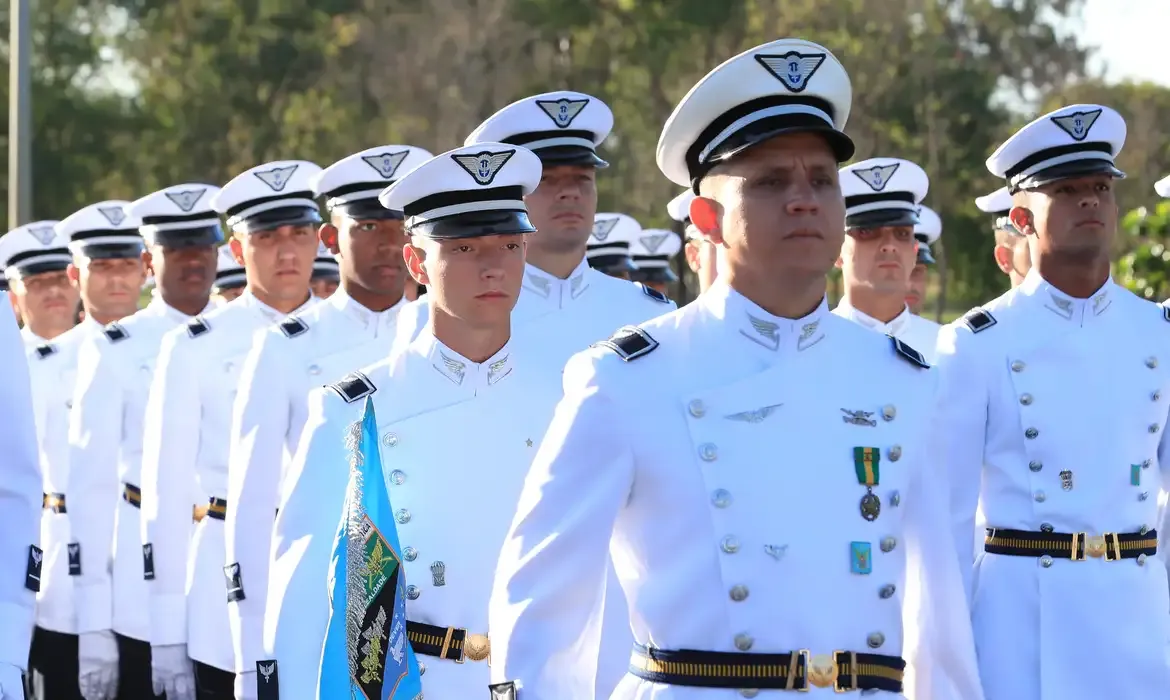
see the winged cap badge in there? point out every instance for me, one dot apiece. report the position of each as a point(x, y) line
point(603, 227)
point(653, 242)
point(878, 176)
point(115, 215)
point(186, 199)
point(43, 234)
point(277, 178)
point(1077, 124)
point(386, 164)
point(562, 111)
point(793, 69)
point(483, 167)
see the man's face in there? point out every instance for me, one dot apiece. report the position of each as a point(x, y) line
point(702, 257)
point(880, 259)
point(109, 286)
point(476, 280)
point(1074, 219)
point(370, 253)
point(1012, 256)
point(46, 301)
point(917, 294)
point(223, 296)
point(183, 274)
point(279, 261)
point(781, 208)
point(562, 208)
point(323, 288)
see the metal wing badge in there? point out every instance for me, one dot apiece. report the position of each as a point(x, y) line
point(366, 655)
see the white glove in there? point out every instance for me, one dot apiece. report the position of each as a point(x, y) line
point(246, 685)
point(97, 665)
point(172, 672)
point(11, 685)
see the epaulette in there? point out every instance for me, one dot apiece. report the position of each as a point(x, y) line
point(653, 293)
point(353, 386)
point(114, 332)
point(978, 320)
point(293, 326)
point(630, 343)
point(1166, 311)
point(912, 356)
point(45, 350)
point(197, 326)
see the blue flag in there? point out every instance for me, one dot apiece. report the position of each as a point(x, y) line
point(366, 654)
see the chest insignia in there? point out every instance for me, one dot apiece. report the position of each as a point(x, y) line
point(912, 356)
point(115, 332)
point(653, 293)
point(293, 326)
point(353, 386)
point(197, 326)
point(978, 320)
point(45, 350)
point(630, 343)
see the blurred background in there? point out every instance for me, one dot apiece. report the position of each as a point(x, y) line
point(130, 96)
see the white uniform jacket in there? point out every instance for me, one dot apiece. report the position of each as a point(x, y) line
point(456, 438)
point(917, 332)
point(1055, 410)
point(20, 499)
point(114, 371)
point(329, 340)
point(722, 463)
point(185, 452)
point(53, 372)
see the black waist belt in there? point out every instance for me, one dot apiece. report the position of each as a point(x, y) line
point(842, 670)
point(1076, 546)
point(216, 509)
point(132, 495)
point(54, 502)
point(451, 643)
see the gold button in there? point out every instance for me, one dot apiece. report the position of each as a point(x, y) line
point(1018, 366)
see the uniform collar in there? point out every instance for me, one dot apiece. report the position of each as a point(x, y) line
point(1063, 306)
point(461, 371)
point(555, 289)
point(366, 317)
point(896, 325)
point(158, 307)
point(751, 322)
point(31, 338)
point(249, 300)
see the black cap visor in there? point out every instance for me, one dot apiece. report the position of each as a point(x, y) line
point(474, 225)
point(366, 210)
point(188, 237)
point(610, 264)
point(1067, 171)
point(108, 251)
point(653, 274)
point(275, 218)
point(881, 217)
point(569, 155)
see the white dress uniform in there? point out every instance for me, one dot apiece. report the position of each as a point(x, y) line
point(1066, 460)
point(456, 437)
point(567, 128)
point(740, 519)
point(20, 511)
point(188, 429)
point(918, 332)
point(608, 249)
point(335, 337)
point(115, 371)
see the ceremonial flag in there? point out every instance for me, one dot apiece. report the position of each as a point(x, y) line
point(366, 654)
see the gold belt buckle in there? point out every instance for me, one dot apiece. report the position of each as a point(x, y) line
point(477, 647)
point(821, 670)
point(1096, 546)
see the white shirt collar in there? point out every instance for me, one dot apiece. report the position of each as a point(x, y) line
point(367, 318)
point(760, 327)
point(461, 371)
point(560, 291)
point(894, 327)
point(249, 299)
point(158, 307)
point(31, 338)
point(1069, 308)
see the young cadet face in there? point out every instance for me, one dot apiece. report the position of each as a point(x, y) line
point(369, 252)
point(702, 257)
point(880, 258)
point(323, 288)
point(562, 208)
point(1073, 219)
point(917, 293)
point(776, 208)
point(278, 261)
point(184, 274)
point(47, 302)
point(476, 280)
point(223, 296)
point(109, 286)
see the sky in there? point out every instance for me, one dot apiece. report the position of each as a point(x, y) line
point(1131, 35)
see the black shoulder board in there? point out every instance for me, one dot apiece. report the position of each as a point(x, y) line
point(197, 327)
point(45, 350)
point(354, 386)
point(978, 320)
point(912, 355)
point(115, 332)
point(653, 293)
point(293, 326)
point(630, 343)
point(1166, 311)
